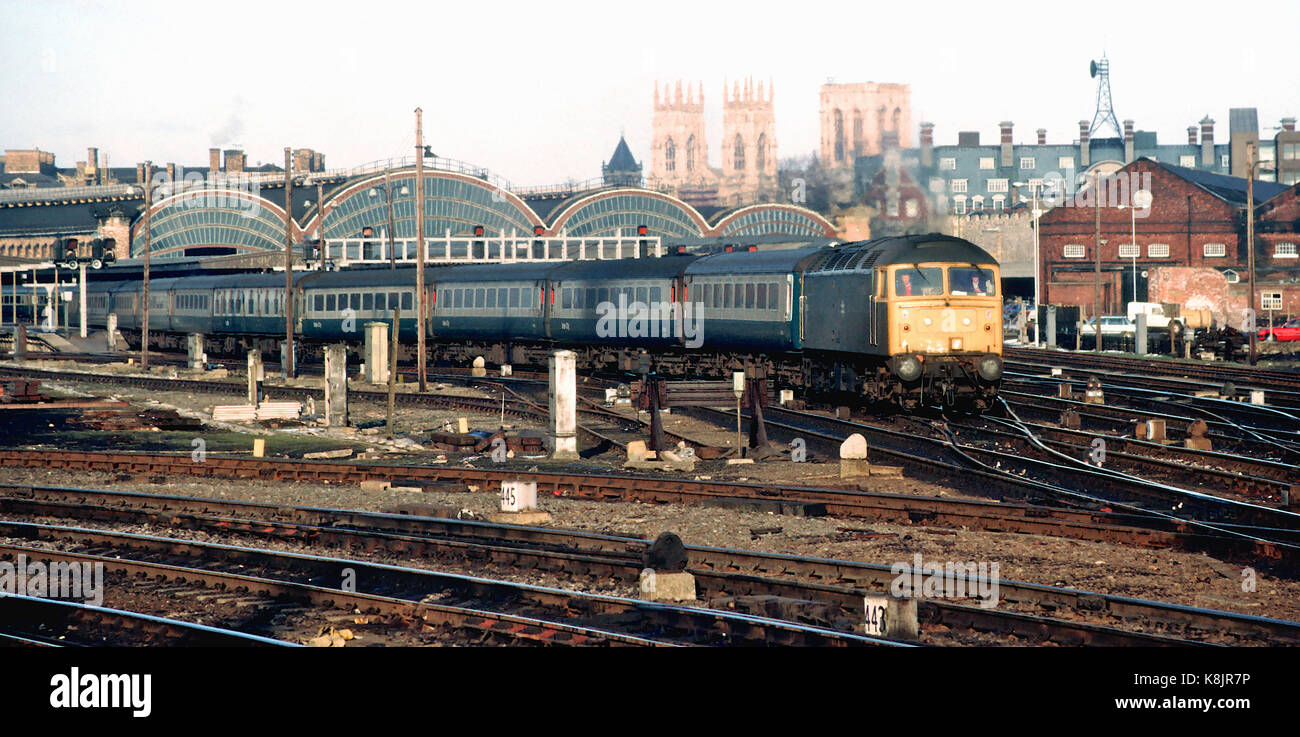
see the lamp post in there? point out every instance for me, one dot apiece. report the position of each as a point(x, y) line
point(1034, 187)
point(419, 248)
point(1252, 164)
point(1096, 194)
point(148, 246)
point(388, 198)
point(1141, 200)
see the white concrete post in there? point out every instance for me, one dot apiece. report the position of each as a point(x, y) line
point(112, 332)
point(197, 358)
point(564, 405)
point(82, 286)
point(336, 385)
point(377, 353)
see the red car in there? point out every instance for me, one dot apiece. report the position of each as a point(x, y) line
point(1289, 330)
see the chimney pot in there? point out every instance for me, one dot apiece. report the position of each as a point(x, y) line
point(1288, 124)
point(1042, 136)
point(1191, 135)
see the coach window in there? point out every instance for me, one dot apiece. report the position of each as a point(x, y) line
point(656, 294)
point(642, 294)
point(514, 296)
point(773, 296)
point(480, 298)
point(589, 302)
point(491, 298)
point(501, 297)
point(602, 294)
point(331, 303)
point(319, 302)
point(368, 301)
point(407, 300)
point(381, 302)
point(761, 302)
point(749, 296)
point(566, 299)
point(356, 301)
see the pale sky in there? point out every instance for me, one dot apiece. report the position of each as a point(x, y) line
point(539, 92)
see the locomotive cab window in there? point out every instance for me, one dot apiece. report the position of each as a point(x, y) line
point(918, 282)
point(971, 281)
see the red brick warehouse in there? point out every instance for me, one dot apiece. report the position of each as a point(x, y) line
point(1190, 244)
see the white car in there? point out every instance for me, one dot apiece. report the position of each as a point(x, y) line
point(1112, 326)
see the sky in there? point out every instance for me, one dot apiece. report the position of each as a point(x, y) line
point(540, 92)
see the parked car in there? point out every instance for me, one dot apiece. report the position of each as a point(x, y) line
point(1112, 326)
point(1289, 330)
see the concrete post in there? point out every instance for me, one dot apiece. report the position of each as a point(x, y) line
point(197, 358)
point(81, 302)
point(112, 332)
point(1140, 335)
point(287, 360)
point(336, 385)
point(376, 353)
point(20, 342)
point(1051, 326)
point(255, 377)
point(564, 405)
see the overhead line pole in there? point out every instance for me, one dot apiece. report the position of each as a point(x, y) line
point(421, 307)
point(288, 367)
point(148, 246)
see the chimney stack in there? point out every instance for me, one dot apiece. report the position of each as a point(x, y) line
point(1007, 152)
point(171, 172)
point(234, 161)
point(1207, 142)
point(1128, 141)
point(1288, 125)
point(139, 174)
point(214, 162)
point(927, 145)
point(1042, 136)
point(1191, 135)
point(92, 165)
point(1085, 152)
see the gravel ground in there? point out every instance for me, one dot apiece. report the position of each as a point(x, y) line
point(1173, 576)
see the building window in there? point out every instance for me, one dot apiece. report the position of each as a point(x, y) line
point(1232, 276)
point(997, 185)
point(999, 202)
point(959, 205)
point(891, 208)
point(936, 185)
point(1225, 162)
point(1065, 162)
point(1036, 183)
point(670, 156)
point(1026, 162)
point(1074, 250)
point(1158, 250)
point(947, 164)
point(986, 162)
point(977, 203)
point(1129, 250)
point(1216, 250)
point(1187, 161)
point(912, 208)
point(1284, 250)
point(959, 185)
point(739, 154)
point(1270, 300)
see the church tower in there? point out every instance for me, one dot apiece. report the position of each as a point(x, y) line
point(679, 157)
point(748, 143)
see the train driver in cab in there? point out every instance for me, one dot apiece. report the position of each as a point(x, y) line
point(913, 282)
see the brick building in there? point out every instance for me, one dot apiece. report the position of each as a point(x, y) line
point(1190, 245)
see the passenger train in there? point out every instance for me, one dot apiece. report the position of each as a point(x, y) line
point(906, 320)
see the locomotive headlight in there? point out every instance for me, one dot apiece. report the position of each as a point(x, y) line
point(956, 344)
point(928, 321)
point(965, 321)
point(908, 369)
point(990, 368)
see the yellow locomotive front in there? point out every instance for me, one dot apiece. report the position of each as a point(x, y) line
point(945, 332)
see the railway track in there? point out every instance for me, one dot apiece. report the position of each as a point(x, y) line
point(26, 620)
point(1215, 373)
point(1260, 533)
point(593, 617)
point(825, 591)
point(1081, 521)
